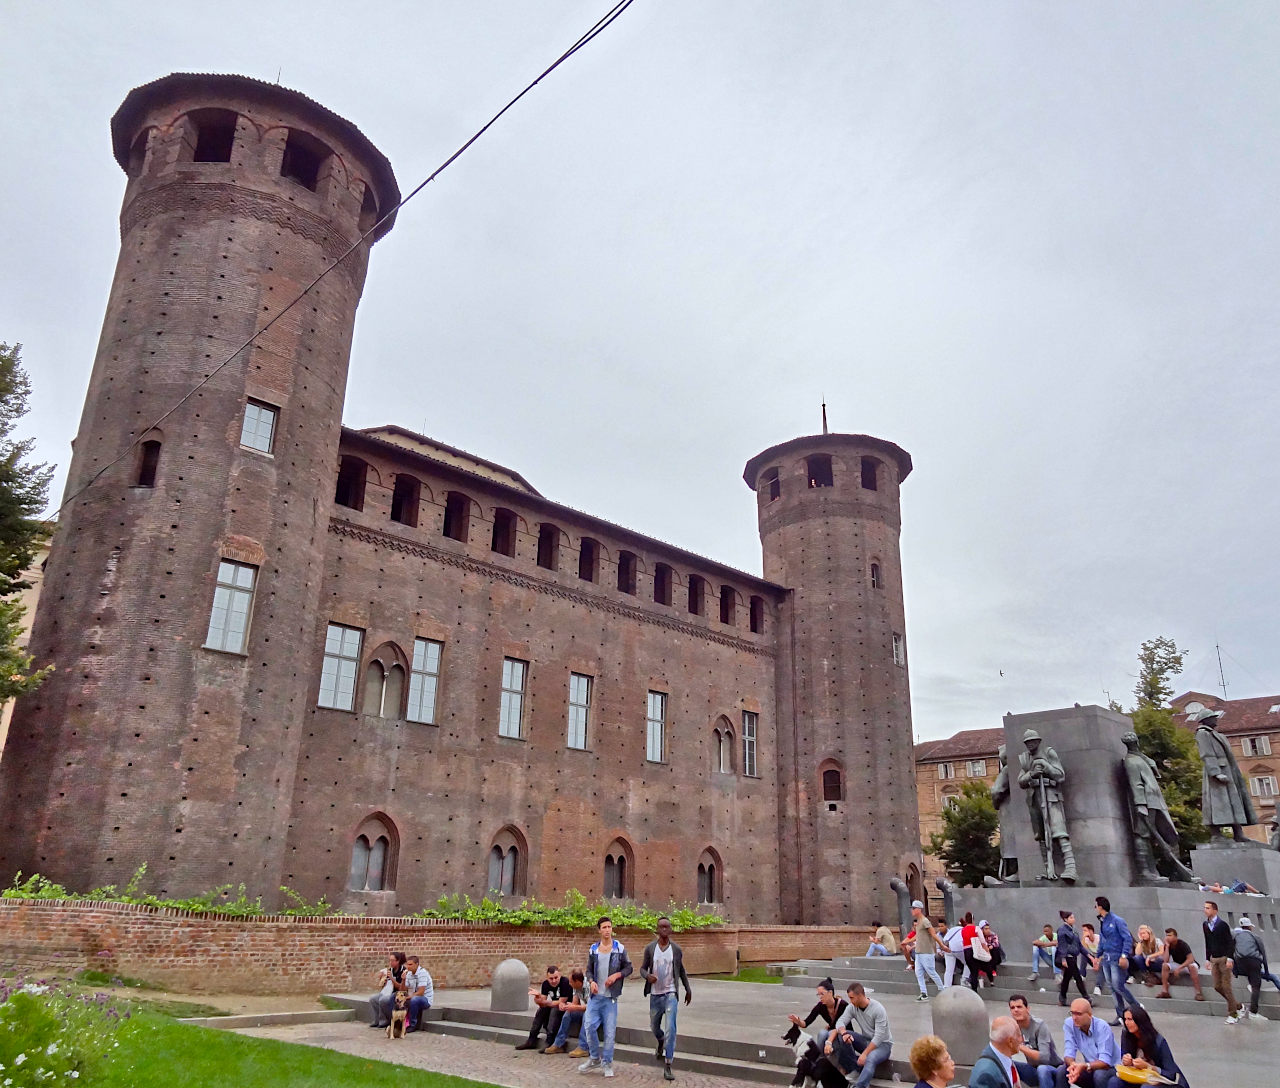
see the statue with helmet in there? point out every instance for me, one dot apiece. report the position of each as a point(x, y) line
point(1042, 777)
point(1224, 799)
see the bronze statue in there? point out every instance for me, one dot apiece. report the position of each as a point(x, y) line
point(1224, 798)
point(999, 795)
point(1042, 777)
point(1153, 830)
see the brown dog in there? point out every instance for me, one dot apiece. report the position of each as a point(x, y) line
point(399, 1015)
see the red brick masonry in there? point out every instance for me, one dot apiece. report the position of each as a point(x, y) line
point(200, 953)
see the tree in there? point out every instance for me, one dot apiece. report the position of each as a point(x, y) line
point(1159, 660)
point(24, 488)
point(965, 844)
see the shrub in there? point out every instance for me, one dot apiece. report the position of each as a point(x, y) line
point(48, 1033)
point(576, 913)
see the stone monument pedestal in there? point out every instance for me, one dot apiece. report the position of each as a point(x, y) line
point(1221, 861)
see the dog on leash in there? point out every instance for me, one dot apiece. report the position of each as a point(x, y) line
point(399, 1016)
point(811, 1070)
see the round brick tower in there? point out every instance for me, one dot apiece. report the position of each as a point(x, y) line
point(829, 526)
point(173, 570)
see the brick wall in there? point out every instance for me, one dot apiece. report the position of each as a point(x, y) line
point(193, 953)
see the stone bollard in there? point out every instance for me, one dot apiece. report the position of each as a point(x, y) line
point(509, 991)
point(960, 1020)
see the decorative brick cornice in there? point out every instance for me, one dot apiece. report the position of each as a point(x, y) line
point(344, 528)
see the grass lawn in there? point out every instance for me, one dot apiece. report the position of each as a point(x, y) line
point(757, 973)
point(156, 1052)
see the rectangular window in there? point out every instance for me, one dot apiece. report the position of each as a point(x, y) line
point(513, 674)
point(655, 746)
point(232, 606)
point(579, 709)
point(946, 770)
point(258, 431)
point(341, 660)
point(750, 719)
point(899, 651)
point(976, 768)
point(424, 679)
point(1264, 786)
point(1255, 746)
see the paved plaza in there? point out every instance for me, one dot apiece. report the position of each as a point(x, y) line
point(1210, 1052)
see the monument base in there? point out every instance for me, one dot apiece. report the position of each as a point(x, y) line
point(1223, 861)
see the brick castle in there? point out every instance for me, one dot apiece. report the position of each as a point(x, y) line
point(370, 666)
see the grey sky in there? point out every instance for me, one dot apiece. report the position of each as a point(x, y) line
point(1034, 244)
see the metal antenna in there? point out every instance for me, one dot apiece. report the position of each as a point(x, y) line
point(1222, 680)
point(824, 415)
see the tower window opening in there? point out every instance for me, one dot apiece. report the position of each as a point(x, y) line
point(352, 472)
point(870, 474)
point(368, 210)
point(728, 603)
point(405, 496)
point(215, 134)
point(697, 595)
point(832, 787)
point(148, 464)
point(303, 157)
point(757, 615)
point(457, 516)
point(504, 532)
point(819, 469)
point(138, 153)
point(627, 572)
point(662, 584)
point(772, 484)
point(588, 559)
point(876, 580)
point(548, 546)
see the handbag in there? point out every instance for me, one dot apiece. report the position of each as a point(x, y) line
point(981, 952)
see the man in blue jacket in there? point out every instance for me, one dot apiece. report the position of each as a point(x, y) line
point(607, 966)
point(1115, 946)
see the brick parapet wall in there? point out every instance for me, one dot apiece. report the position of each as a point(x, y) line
point(203, 953)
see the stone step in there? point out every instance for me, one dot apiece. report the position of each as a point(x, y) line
point(272, 1019)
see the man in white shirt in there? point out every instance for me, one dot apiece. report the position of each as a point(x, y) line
point(663, 968)
point(417, 984)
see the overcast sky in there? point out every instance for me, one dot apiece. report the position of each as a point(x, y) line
point(1034, 244)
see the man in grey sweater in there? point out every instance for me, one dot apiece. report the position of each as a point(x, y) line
point(1250, 957)
point(860, 1040)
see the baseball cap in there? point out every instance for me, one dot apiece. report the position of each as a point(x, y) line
point(917, 905)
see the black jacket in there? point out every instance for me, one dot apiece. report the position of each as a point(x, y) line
point(677, 967)
point(1219, 940)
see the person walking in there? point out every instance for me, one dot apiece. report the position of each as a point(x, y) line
point(926, 950)
point(1219, 947)
point(607, 967)
point(1250, 959)
point(662, 968)
point(1067, 956)
point(1115, 945)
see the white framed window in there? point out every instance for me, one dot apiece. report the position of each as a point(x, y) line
point(341, 661)
point(512, 713)
point(655, 746)
point(950, 800)
point(750, 722)
point(1263, 786)
point(946, 770)
point(258, 430)
point(579, 709)
point(424, 680)
point(232, 607)
point(976, 768)
point(899, 650)
point(1255, 746)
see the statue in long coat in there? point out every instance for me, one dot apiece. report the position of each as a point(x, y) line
point(1154, 836)
point(1224, 798)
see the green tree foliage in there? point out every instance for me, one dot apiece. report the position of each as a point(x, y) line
point(23, 490)
point(966, 843)
point(1159, 661)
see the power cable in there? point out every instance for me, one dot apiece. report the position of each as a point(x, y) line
point(599, 28)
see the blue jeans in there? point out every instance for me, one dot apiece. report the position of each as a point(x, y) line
point(660, 1006)
point(572, 1021)
point(1038, 954)
point(877, 950)
point(602, 1011)
point(417, 1006)
point(1116, 975)
point(845, 1055)
point(925, 965)
point(1044, 1075)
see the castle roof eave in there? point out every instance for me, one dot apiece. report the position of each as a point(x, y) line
point(822, 442)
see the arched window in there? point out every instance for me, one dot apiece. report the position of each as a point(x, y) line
point(384, 683)
point(870, 474)
point(722, 747)
point(697, 595)
point(373, 856)
point(457, 516)
point(589, 559)
point(405, 498)
point(303, 158)
point(771, 484)
point(728, 604)
point(832, 789)
point(627, 572)
point(876, 580)
point(148, 464)
point(138, 152)
point(710, 876)
point(508, 863)
point(757, 615)
point(618, 871)
point(662, 584)
point(504, 532)
point(548, 546)
point(213, 134)
point(819, 471)
point(352, 472)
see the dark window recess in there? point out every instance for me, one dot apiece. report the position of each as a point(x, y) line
point(831, 786)
point(405, 497)
point(627, 572)
point(215, 134)
point(870, 474)
point(772, 484)
point(548, 547)
point(589, 559)
point(351, 478)
point(457, 516)
point(303, 157)
point(368, 211)
point(148, 463)
point(697, 595)
point(728, 604)
point(819, 469)
point(662, 584)
point(504, 532)
point(875, 576)
point(615, 876)
point(757, 615)
point(138, 153)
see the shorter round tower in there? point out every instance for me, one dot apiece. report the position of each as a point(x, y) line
point(830, 519)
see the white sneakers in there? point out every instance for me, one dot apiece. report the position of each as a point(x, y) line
point(608, 1070)
point(1234, 1019)
point(593, 1064)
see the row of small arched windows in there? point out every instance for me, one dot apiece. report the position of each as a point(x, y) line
point(819, 472)
point(373, 864)
point(406, 499)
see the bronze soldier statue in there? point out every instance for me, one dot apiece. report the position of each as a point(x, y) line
point(1153, 830)
point(1224, 798)
point(1042, 777)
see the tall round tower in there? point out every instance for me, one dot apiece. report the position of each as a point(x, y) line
point(172, 570)
point(829, 526)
